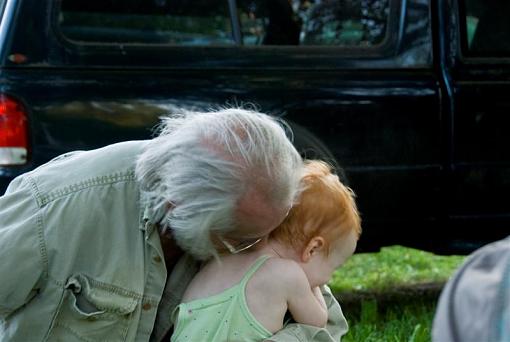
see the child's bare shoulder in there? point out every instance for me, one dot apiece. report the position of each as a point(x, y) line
point(285, 270)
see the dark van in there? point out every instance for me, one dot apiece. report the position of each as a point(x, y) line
point(410, 99)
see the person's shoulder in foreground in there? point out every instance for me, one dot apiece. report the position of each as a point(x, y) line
point(475, 303)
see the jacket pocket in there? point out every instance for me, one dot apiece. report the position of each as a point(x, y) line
point(92, 311)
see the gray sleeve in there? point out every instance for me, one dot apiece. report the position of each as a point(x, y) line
point(473, 303)
point(335, 328)
point(22, 251)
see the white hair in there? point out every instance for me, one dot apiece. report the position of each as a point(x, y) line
point(201, 164)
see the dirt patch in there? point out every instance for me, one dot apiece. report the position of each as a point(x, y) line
point(424, 292)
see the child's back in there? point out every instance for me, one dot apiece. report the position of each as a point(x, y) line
point(232, 295)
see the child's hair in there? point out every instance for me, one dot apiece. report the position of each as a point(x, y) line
point(325, 208)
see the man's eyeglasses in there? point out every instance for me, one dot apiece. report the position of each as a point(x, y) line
point(242, 246)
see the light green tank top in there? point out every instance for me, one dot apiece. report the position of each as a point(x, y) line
point(222, 317)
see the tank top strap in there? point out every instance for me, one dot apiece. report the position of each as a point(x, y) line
point(253, 268)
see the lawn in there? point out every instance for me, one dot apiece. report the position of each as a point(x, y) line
point(402, 322)
point(391, 295)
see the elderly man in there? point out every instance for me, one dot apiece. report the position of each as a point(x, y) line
point(91, 242)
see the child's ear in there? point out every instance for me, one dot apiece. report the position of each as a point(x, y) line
point(314, 246)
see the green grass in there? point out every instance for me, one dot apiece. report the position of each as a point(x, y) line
point(384, 315)
point(409, 322)
point(392, 267)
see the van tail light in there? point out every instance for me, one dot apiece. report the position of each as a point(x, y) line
point(13, 132)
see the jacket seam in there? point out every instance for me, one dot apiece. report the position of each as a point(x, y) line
point(56, 281)
point(39, 226)
point(89, 183)
point(42, 245)
point(35, 189)
point(55, 313)
point(109, 287)
point(118, 290)
point(114, 289)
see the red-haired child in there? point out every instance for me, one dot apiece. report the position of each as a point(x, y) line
point(245, 296)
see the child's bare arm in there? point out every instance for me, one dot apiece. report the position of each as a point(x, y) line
point(318, 294)
point(307, 306)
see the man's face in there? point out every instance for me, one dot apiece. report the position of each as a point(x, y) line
point(255, 219)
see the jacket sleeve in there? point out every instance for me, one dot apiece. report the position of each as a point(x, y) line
point(335, 328)
point(22, 250)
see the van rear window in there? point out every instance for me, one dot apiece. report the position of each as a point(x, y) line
point(349, 23)
point(147, 22)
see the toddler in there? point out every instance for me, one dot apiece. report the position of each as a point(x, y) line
point(245, 296)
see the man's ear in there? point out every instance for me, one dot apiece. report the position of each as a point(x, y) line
point(314, 246)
